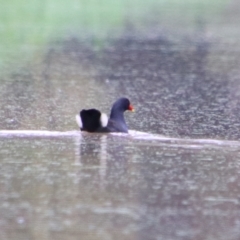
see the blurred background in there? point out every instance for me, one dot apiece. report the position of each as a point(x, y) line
point(176, 61)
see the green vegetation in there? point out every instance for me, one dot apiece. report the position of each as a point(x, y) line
point(28, 26)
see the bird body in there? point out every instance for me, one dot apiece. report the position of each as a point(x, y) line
point(92, 120)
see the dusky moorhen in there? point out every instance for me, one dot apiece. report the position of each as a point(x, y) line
point(92, 120)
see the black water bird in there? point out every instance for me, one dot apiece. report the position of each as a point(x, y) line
point(92, 120)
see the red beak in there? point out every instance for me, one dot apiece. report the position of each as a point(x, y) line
point(131, 108)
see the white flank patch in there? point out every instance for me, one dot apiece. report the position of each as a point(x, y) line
point(104, 119)
point(79, 121)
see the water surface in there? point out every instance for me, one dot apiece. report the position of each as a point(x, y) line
point(177, 177)
point(99, 186)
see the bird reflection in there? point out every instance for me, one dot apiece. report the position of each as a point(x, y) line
point(91, 153)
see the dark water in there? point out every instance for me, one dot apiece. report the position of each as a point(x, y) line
point(183, 83)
